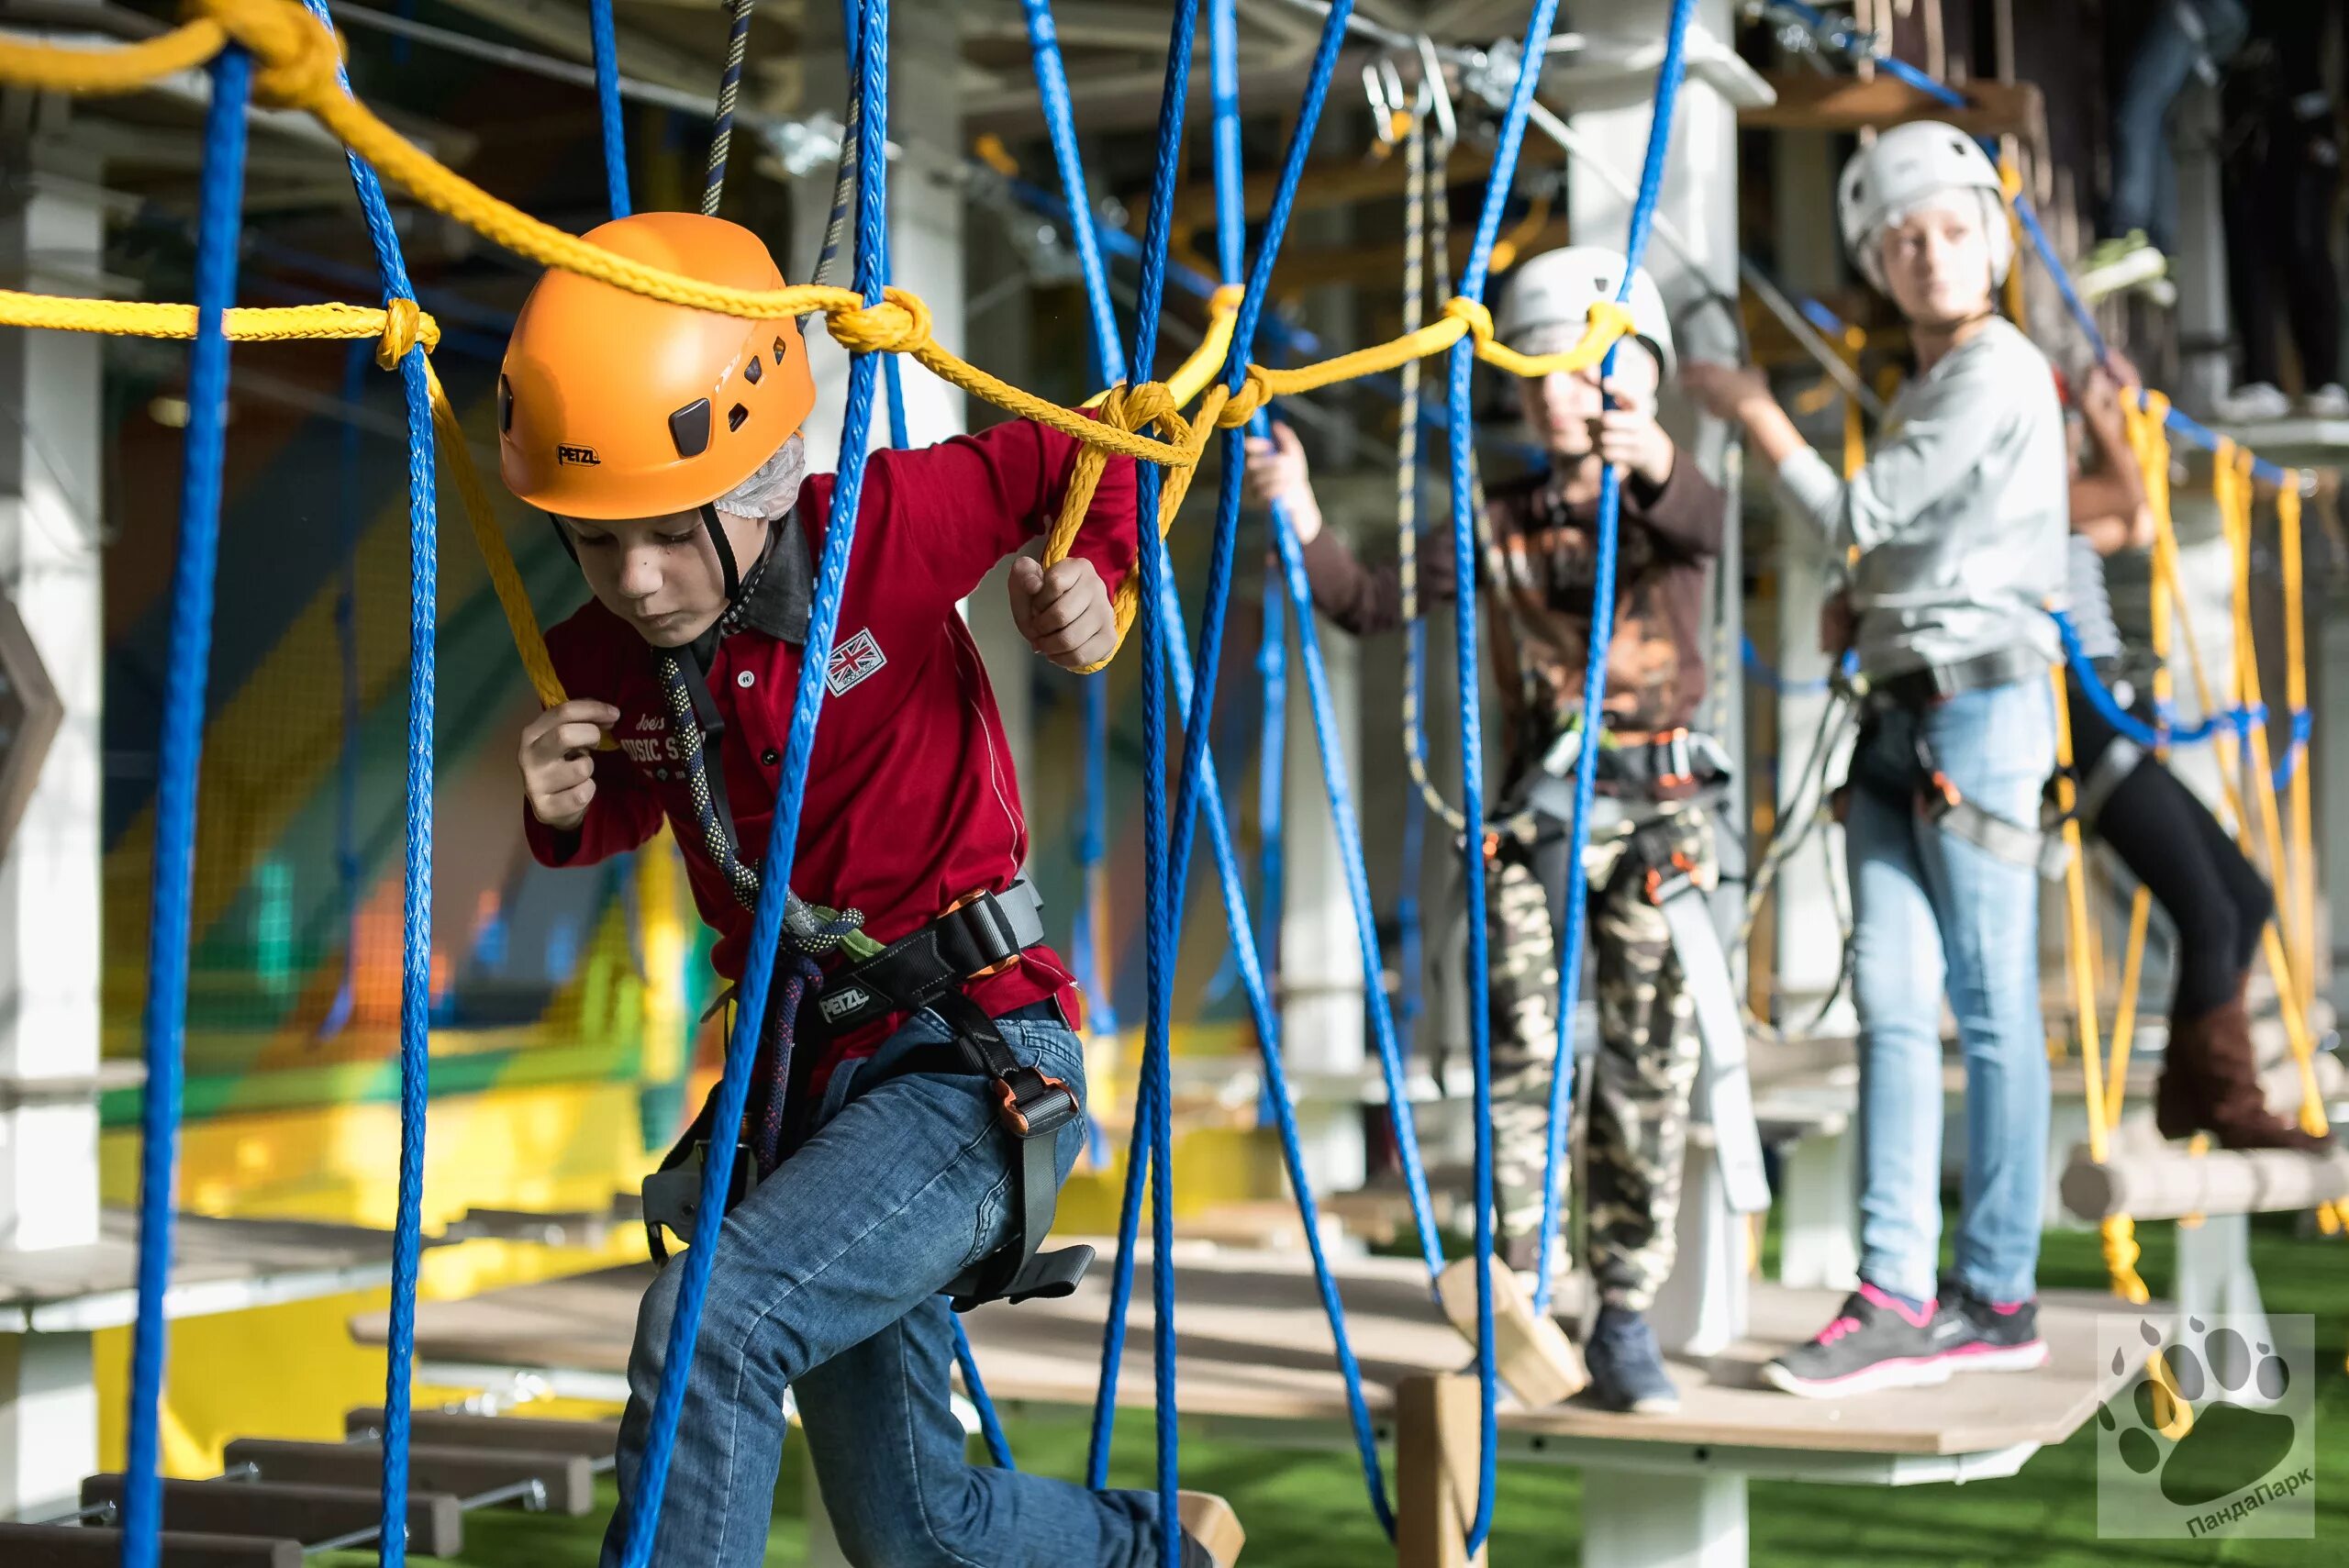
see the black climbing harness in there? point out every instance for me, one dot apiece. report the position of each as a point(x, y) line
point(2041, 846)
point(927, 971)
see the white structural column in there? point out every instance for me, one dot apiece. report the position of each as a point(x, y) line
point(1809, 954)
point(51, 237)
point(927, 257)
point(1703, 1308)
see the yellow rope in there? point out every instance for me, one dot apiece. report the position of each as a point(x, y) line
point(2296, 1024)
point(299, 56)
point(2118, 1232)
point(457, 461)
point(123, 68)
point(2301, 862)
point(137, 318)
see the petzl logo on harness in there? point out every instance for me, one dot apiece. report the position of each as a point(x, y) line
point(853, 662)
point(584, 456)
point(838, 1005)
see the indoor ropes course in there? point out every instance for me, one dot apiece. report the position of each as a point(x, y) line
point(279, 52)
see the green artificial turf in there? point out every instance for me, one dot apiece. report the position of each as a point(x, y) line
point(1308, 1510)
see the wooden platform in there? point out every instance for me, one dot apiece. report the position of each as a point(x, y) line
point(217, 1265)
point(1254, 1347)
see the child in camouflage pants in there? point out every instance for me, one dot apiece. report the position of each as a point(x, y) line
point(1538, 585)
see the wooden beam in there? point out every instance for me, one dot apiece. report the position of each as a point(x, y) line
point(269, 1508)
point(452, 1429)
point(1437, 1435)
point(570, 1484)
point(1806, 101)
point(2173, 1181)
point(84, 1546)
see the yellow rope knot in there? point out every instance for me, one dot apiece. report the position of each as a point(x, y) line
point(299, 56)
point(1609, 319)
point(1479, 319)
point(1141, 407)
point(1253, 393)
point(403, 328)
point(899, 325)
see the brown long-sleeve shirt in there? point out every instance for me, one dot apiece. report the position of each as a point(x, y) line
point(1655, 664)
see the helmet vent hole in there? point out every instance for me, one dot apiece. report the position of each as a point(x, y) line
point(734, 417)
point(778, 350)
point(755, 368)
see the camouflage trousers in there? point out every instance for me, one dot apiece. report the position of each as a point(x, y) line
point(1630, 1159)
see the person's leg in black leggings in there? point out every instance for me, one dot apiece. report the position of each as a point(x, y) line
point(2217, 903)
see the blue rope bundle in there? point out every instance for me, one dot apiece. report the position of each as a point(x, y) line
point(608, 104)
point(766, 929)
point(165, 1024)
point(1602, 626)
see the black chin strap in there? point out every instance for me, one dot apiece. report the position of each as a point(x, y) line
point(725, 548)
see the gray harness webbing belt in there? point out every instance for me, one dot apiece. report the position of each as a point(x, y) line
point(1724, 1089)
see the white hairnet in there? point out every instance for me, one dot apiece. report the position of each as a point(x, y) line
point(773, 489)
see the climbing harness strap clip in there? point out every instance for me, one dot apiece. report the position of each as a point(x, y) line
point(1032, 1103)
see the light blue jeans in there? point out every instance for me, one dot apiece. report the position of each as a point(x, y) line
point(1934, 914)
point(827, 1282)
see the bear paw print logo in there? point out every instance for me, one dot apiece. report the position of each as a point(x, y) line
point(2199, 1419)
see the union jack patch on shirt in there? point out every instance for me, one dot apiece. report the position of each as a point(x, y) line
point(854, 661)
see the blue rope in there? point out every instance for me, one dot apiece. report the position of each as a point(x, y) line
point(1462, 437)
point(1254, 985)
point(415, 943)
point(990, 1424)
point(1147, 1149)
point(1109, 368)
point(1325, 720)
point(1166, 625)
point(2302, 727)
point(1602, 626)
point(1271, 647)
point(2238, 720)
point(608, 104)
point(1161, 878)
point(766, 929)
point(165, 1021)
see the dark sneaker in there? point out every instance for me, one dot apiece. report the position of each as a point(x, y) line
point(1627, 1371)
point(1874, 1342)
point(1998, 1335)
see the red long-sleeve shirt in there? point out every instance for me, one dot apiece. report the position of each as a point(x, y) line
point(911, 802)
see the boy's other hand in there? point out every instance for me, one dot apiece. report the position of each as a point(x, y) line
point(1628, 435)
point(1277, 472)
point(1063, 611)
point(558, 760)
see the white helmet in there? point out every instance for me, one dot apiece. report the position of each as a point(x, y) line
point(1906, 165)
point(1557, 288)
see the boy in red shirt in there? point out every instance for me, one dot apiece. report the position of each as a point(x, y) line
point(912, 1122)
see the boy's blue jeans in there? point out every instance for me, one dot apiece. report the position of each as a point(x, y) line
point(827, 1282)
point(1934, 914)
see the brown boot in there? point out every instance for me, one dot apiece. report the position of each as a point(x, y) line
point(2209, 1082)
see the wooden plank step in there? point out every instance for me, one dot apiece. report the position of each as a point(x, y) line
point(465, 1472)
point(306, 1513)
point(88, 1546)
point(458, 1428)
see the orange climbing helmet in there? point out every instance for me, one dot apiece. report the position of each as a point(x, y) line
point(612, 404)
